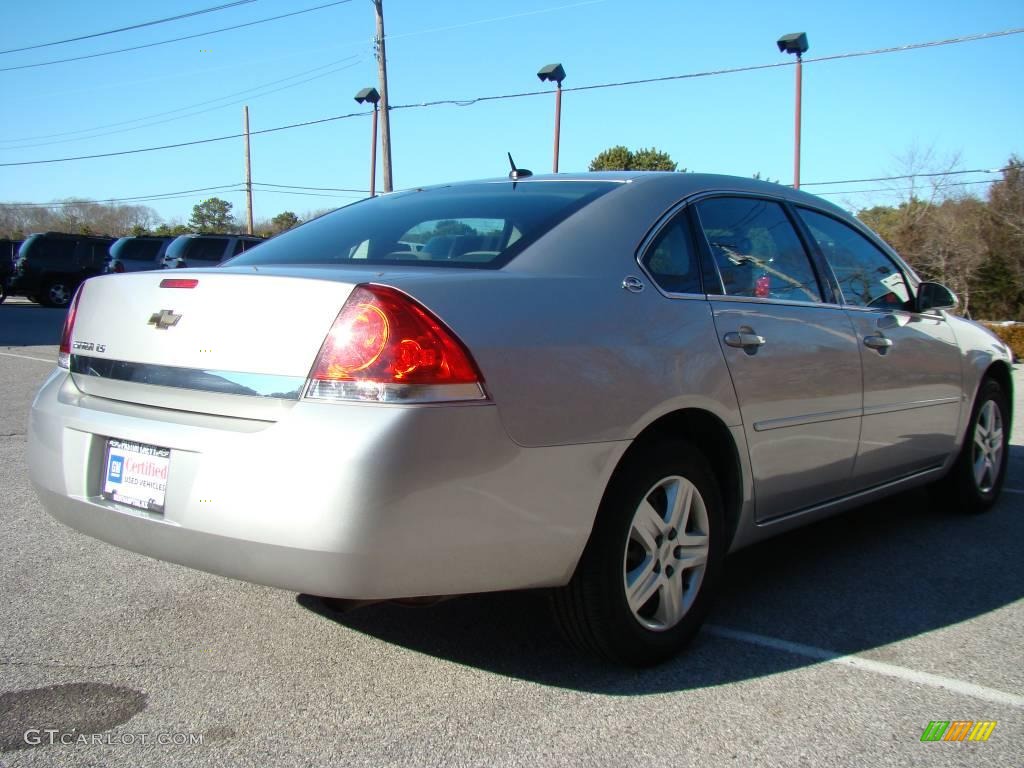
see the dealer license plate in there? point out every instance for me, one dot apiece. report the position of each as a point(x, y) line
point(136, 474)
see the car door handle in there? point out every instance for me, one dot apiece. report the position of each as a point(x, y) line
point(742, 340)
point(881, 343)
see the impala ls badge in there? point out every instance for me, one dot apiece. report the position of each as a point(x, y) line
point(164, 319)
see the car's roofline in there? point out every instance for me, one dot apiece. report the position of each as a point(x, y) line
point(686, 184)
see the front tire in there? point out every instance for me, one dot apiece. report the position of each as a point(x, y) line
point(650, 571)
point(976, 479)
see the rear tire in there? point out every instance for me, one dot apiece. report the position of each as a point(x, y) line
point(976, 479)
point(650, 570)
point(57, 294)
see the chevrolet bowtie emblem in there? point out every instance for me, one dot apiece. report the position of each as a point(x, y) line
point(164, 319)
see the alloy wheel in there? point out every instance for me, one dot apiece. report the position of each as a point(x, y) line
point(988, 446)
point(58, 294)
point(666, 553)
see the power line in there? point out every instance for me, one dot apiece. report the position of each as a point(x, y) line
point(190, 143)
point(904, 176)
point(288, 189)
point(174, 40)
point(467, 102)
point(179, 109)
point(897, 190)
point(728, 71)
point(318, 189)
point(135, 198)
point(133, 26)
point(312, 194)
point(199, 112)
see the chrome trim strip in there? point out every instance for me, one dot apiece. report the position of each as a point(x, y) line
point(874, 410)
point(780, 302)
point(392, 393)
point(809, 418)
point(221, 382)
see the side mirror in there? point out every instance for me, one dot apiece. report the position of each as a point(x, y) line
point(934, 296)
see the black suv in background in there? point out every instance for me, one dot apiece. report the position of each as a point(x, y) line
point(8, 253)
point(137, 254)
point(52, 265)
point(207, 250)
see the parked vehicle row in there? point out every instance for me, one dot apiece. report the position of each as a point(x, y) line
point(49, 266)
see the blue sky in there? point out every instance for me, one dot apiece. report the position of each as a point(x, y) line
point(860, 115)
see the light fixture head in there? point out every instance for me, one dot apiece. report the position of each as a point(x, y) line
point(368, 95)
point(553, 72)
point(795, 42)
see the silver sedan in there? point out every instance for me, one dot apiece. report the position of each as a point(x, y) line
point(597, 384)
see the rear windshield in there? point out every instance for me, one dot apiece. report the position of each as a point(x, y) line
point(192, 249)
point(480, 226)
point(130, 249)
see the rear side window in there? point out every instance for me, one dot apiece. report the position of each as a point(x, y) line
point(50, 251)
point(671, 259)
point(205, 249)
point(243, 245)
point(92, 253)
point(756, 250)
point(472, 225)
point(866, 276)
point(136, 250)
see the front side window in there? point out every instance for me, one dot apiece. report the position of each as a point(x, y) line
point(479, 226)
point(866, 276)
point(671, 260)
point(756, 249)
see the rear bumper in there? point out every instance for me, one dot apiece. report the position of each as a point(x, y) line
point(354, 501)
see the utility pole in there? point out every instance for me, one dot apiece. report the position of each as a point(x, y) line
point(248, 172)
point(385, 116)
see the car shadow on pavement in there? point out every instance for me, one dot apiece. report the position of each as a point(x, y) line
point(870, 577)
point(29, 325)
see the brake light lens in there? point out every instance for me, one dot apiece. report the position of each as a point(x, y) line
point(64, 355)
point(178, 282)
point(386, 347)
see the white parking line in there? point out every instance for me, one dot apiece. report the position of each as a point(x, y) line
point(1014, 490)
point(29, 357)
point(869, 665)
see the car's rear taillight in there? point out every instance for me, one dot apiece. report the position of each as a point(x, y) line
point(386, 347)
point(64, 356)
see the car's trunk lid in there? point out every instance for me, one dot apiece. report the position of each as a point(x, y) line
point(230, 336)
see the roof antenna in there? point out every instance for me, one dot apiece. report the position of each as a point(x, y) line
point(517, 173)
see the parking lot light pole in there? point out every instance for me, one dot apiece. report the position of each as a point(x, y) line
point(796, 43)
point(370, 95)
point(555, 73)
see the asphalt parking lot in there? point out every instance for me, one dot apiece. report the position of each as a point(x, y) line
point(832, 646)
